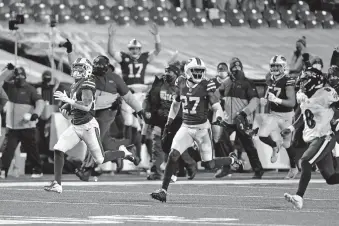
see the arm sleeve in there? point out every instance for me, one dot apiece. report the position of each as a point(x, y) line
point(121, 85)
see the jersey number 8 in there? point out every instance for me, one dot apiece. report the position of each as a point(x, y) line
point(131, 67)
point(309, 119)
point(186, 104)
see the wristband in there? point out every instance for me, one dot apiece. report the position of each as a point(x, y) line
point(291, 128)
point(157, 38)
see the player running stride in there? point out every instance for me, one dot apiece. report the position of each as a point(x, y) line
point(195, 94)
point(316, 102)
point(84, 126)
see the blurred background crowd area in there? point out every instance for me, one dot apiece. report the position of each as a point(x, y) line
point(215, 30)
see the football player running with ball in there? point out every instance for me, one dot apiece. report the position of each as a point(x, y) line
point(84, 126)
point(195, 94)
point(280, 101)
point(316, 103)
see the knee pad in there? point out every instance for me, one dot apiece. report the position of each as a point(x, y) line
point(174, 155)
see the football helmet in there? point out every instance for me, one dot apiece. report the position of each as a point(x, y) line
point(333, 76)
point(195, 70)
point(311, 80)
point(100, 65)
point(278, 66)
point(134, 47)
point(81, 68)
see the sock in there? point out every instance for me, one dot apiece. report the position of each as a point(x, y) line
point(334, 179)
point(58, 165)
point(128, 133)
point(170, 168)
point(306, 171)
point(268, 141)
point(291, 155)
point(113, 155)
point(136, 140)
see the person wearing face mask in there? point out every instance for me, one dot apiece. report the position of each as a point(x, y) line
point(25, 106)
point(240, 101)
point(299, 56)
point(157, 106)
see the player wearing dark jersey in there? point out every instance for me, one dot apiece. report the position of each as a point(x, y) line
point(84, 126)
point(133, 64)
point(280, 101)
point(194, 94)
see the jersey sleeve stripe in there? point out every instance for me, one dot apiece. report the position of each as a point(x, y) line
point(211, 88)
point(211, 84)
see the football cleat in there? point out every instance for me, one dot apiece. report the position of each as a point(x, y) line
point(296, 200)
point(292, 173)
point(36, 175)
point(191, 171)
point(3, 174)
point(223, 172)
point(258, 174)
point(84, 173)
point(130, 154)
point(173, 179)
point(159, 195)
point(154, 177)
point(53, 187)
point(275, 152)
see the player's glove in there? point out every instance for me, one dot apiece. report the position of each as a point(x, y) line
point(58, 95)
point(220, 122)
point(301, 97)
point(139, 114)
point(34, 117)
point(243, 125)
point(272, 98)
point(67, 45)
point(10, 66)
point(287, 131)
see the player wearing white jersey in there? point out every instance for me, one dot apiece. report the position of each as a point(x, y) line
point(316, 103)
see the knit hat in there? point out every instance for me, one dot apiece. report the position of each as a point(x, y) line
point(236, 64)
point(221, 66)
point(302, 40)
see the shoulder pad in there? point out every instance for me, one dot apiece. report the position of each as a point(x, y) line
point(88, 84)
point(145, 54)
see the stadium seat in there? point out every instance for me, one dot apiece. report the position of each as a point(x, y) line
point(179, 16)
point(4, 12)
point(253, 14)
point(121, 14)
point(277, 24)
point(83, 16)
point(295, 24)
point(144, 3)
point(329, 24)
point(197, 16)
point(165, 4)
point(64, 13)
point(71, 3)
point(323, 16)
point(159, 15)
point(217, 17)
point(41, 12)
point(234, 15)
point(30, 3)
point(300, 6)
point(101, 14)
point(140, 15)
point(306, 16)
point(51, 2)
point(271, 15)
point(238, 22)
point(107, 3)
point(312, 24)
point(257, 23)
point(92, 3)
point(17, 7)
point(287, 16)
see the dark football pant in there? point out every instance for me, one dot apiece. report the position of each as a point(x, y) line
point(27, 137)
point(105, 118)
point(248, 145)
point(318, 152)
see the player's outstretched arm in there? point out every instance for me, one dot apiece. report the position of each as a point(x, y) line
point(87, 100)
point(110, 48)
point(154, 31)
point(173, 58)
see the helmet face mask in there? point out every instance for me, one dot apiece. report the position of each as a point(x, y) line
point(100, 65)
point(278, 66)
point(81, 68)
point(134, 47)
point(195, 70)
point(311, 80)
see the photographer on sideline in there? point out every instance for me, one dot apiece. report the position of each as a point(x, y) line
point(24, 108)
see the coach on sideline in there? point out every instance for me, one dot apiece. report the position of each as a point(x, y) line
point(109, 86)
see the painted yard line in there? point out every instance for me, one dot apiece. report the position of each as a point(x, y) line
point(171, 194)
point(169, 205)
point(194, 182)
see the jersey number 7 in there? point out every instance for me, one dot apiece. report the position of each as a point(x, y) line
point(131, 67)
point(189, 104)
